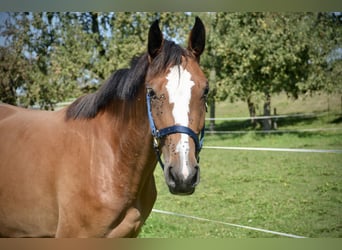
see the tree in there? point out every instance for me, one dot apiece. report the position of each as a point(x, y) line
point(69, 53)
point(325, 34)
point(31, 39)
point(211, 61)
point(266, 53)
point(52, 56)
point(15, 68)
point(14, 71)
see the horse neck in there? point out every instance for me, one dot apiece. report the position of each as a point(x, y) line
point(131, 115)
point(131, 131)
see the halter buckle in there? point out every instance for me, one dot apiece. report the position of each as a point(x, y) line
point(155, 142)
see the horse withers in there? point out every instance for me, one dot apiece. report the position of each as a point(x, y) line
point(87, 170)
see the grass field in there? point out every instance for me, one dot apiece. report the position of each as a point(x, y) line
point(295, 193)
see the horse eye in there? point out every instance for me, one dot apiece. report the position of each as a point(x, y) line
point(151, 92)
point(206, 92)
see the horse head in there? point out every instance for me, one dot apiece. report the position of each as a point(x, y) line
point(176, 90)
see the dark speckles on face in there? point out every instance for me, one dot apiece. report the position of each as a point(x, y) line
point(157, 104)
point(172, 148)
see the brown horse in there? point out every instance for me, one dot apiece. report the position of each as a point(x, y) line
point(87, 170)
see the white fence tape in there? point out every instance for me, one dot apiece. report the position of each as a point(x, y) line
point(298, 150)
point(228, 224)
point(285, 131)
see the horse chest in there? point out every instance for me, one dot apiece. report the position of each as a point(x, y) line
point(105, 211)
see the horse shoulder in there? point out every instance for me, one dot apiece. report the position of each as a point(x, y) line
point(136, 214)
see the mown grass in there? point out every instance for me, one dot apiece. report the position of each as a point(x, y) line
point(296, 193)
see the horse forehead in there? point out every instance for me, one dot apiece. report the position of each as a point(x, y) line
point(178, 86)
point(179, 78)
point(185, 74)
point(193, 67)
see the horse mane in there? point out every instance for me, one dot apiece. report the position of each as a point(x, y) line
point(123, 84)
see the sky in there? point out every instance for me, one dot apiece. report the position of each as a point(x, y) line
point(3, 16)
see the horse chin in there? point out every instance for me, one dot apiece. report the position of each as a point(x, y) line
point(182, 192)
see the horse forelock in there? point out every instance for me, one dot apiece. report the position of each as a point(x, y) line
point(171, 54)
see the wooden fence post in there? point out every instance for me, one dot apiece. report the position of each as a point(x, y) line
point(274, 121)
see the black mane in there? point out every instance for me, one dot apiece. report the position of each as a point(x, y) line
point(123, 84)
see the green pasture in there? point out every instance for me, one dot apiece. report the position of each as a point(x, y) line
point(294, 193)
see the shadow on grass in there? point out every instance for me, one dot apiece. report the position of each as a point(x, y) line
point(337, 120)
point(247, 125)
point(239, 128)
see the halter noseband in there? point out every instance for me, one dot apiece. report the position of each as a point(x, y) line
point(158, 134)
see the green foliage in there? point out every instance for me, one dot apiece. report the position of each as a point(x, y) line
point(251, 56)
point(265, 53)
point(52, 56)
point(13, 71)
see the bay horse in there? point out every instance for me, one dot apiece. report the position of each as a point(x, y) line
point(87, 170)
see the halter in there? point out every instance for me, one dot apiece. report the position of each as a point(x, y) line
point(158, 134)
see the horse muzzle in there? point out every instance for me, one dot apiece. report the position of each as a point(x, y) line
point(179, 183)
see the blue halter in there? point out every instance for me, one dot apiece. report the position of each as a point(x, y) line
point(158, 134)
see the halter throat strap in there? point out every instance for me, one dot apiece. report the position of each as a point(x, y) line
point(158, 134)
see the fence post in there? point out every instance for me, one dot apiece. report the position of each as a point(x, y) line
point(267, 122)
point(274, 121)
point(212, 78)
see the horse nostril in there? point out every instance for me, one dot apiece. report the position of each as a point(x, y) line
point(170, 177)
point(196, 177)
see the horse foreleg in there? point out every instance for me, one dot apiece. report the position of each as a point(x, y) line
point(129, 227)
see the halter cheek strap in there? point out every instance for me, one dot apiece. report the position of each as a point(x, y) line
point(158, 134)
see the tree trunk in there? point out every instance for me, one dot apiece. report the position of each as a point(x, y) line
point(267, 122)
point(212, 78)
point(212, 115)
point(274, 121)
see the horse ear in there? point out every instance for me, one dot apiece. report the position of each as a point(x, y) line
point(155, 39)
point(196, 41)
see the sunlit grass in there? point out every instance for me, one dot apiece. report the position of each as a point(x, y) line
point(296, 193)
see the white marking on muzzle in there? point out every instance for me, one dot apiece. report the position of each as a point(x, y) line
point(179, 87)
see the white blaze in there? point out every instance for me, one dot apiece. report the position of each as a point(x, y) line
point(179, 87)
